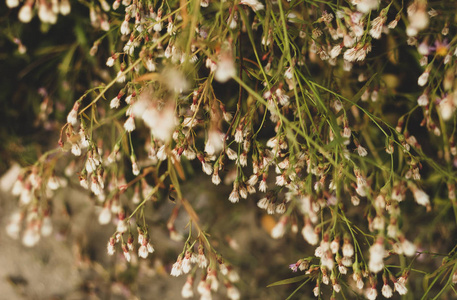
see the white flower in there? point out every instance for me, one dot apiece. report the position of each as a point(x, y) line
point(122, 226)
point(422, 80)
point(110, 61)
point(362, 151)
point(215, 142)
point(348, 249)
point(64, 7)
point(309, 234)
point(359, 283)
point(186, 266)
point(13, 228)
point(115, 102)
point(202, 261)
point(31, 236)
point(225, 68)
point(421, 197)
point(400, 287)
point(162, 122)
point(392, 24)
point(418, 17)
point(12, 3)
point(207, 168)
point(25, 13)
point(233, 293)
point(409, 249)
point(120, 77)
point(316, 291)
point(234, 196)
point(105, 216)
point(376, 27)
point(278, 231)
point(371, 293)
point(365, 6)
point(125, 27)
point(216, 179)
point(281, 208)
point(72, 117)
point(342, 269)
point(177, 268)
point(254, 4)
point(350, 55)
point(446, 108)
point(263, 186)
point(187, 291)
point(422, 100)
point(376, 262)
point(281, 180)
point(336, 50)
point(129, 125)
point(386, 291)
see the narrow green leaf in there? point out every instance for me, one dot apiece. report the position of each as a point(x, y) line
point(297, 289)
point(288, 281)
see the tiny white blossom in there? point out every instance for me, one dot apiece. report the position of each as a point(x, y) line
point(387, 291)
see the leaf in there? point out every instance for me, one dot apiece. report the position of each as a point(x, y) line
point(297, 289)
point(288, 281)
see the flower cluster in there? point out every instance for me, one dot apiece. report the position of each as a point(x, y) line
point(289, 104)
